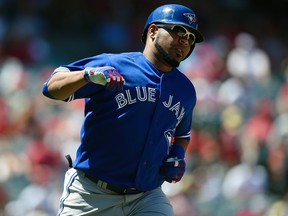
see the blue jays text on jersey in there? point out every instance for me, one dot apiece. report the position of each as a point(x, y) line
point(148, 94)
point(126, 135)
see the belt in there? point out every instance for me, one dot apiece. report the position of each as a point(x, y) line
point(114, 188)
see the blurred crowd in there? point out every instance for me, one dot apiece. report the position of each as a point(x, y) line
point(237, 161)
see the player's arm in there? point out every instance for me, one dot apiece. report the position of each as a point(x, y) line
point(63, 83)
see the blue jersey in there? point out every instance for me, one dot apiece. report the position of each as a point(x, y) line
point(126, 135)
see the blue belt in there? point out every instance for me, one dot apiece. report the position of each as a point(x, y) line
point(114, 188)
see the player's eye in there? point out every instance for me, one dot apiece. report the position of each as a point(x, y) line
point(179, 30)
point(182, 32)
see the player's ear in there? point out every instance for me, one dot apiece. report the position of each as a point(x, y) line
point(152, 31)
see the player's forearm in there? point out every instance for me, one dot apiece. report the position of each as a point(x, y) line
point(182, 142)
point(63, 84)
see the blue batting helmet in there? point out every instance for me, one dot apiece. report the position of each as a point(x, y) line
point(174, 14)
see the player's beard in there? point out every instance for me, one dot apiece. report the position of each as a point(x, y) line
point(165, 56)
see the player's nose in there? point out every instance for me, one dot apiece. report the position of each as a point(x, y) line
point(184, 41)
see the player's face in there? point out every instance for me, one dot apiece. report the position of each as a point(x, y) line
point(172, 48)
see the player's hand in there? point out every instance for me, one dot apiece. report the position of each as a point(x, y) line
point(107, 76)
point(173, 168)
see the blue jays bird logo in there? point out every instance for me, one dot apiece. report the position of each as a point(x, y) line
point(169, 135)
point(191, 17)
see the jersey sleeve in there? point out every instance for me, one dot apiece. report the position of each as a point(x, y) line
point(184, 127)
point(183, 130)
point(45, 85)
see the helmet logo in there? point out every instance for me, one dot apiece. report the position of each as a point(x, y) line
point(191, 17)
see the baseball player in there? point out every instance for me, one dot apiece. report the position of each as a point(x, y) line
point(138, 113)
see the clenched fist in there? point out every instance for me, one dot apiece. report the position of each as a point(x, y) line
point(107, 76)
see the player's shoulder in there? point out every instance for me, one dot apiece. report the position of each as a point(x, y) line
point(185, 80)
point(183, 83)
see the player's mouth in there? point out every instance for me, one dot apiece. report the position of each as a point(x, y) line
point(179, 53)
